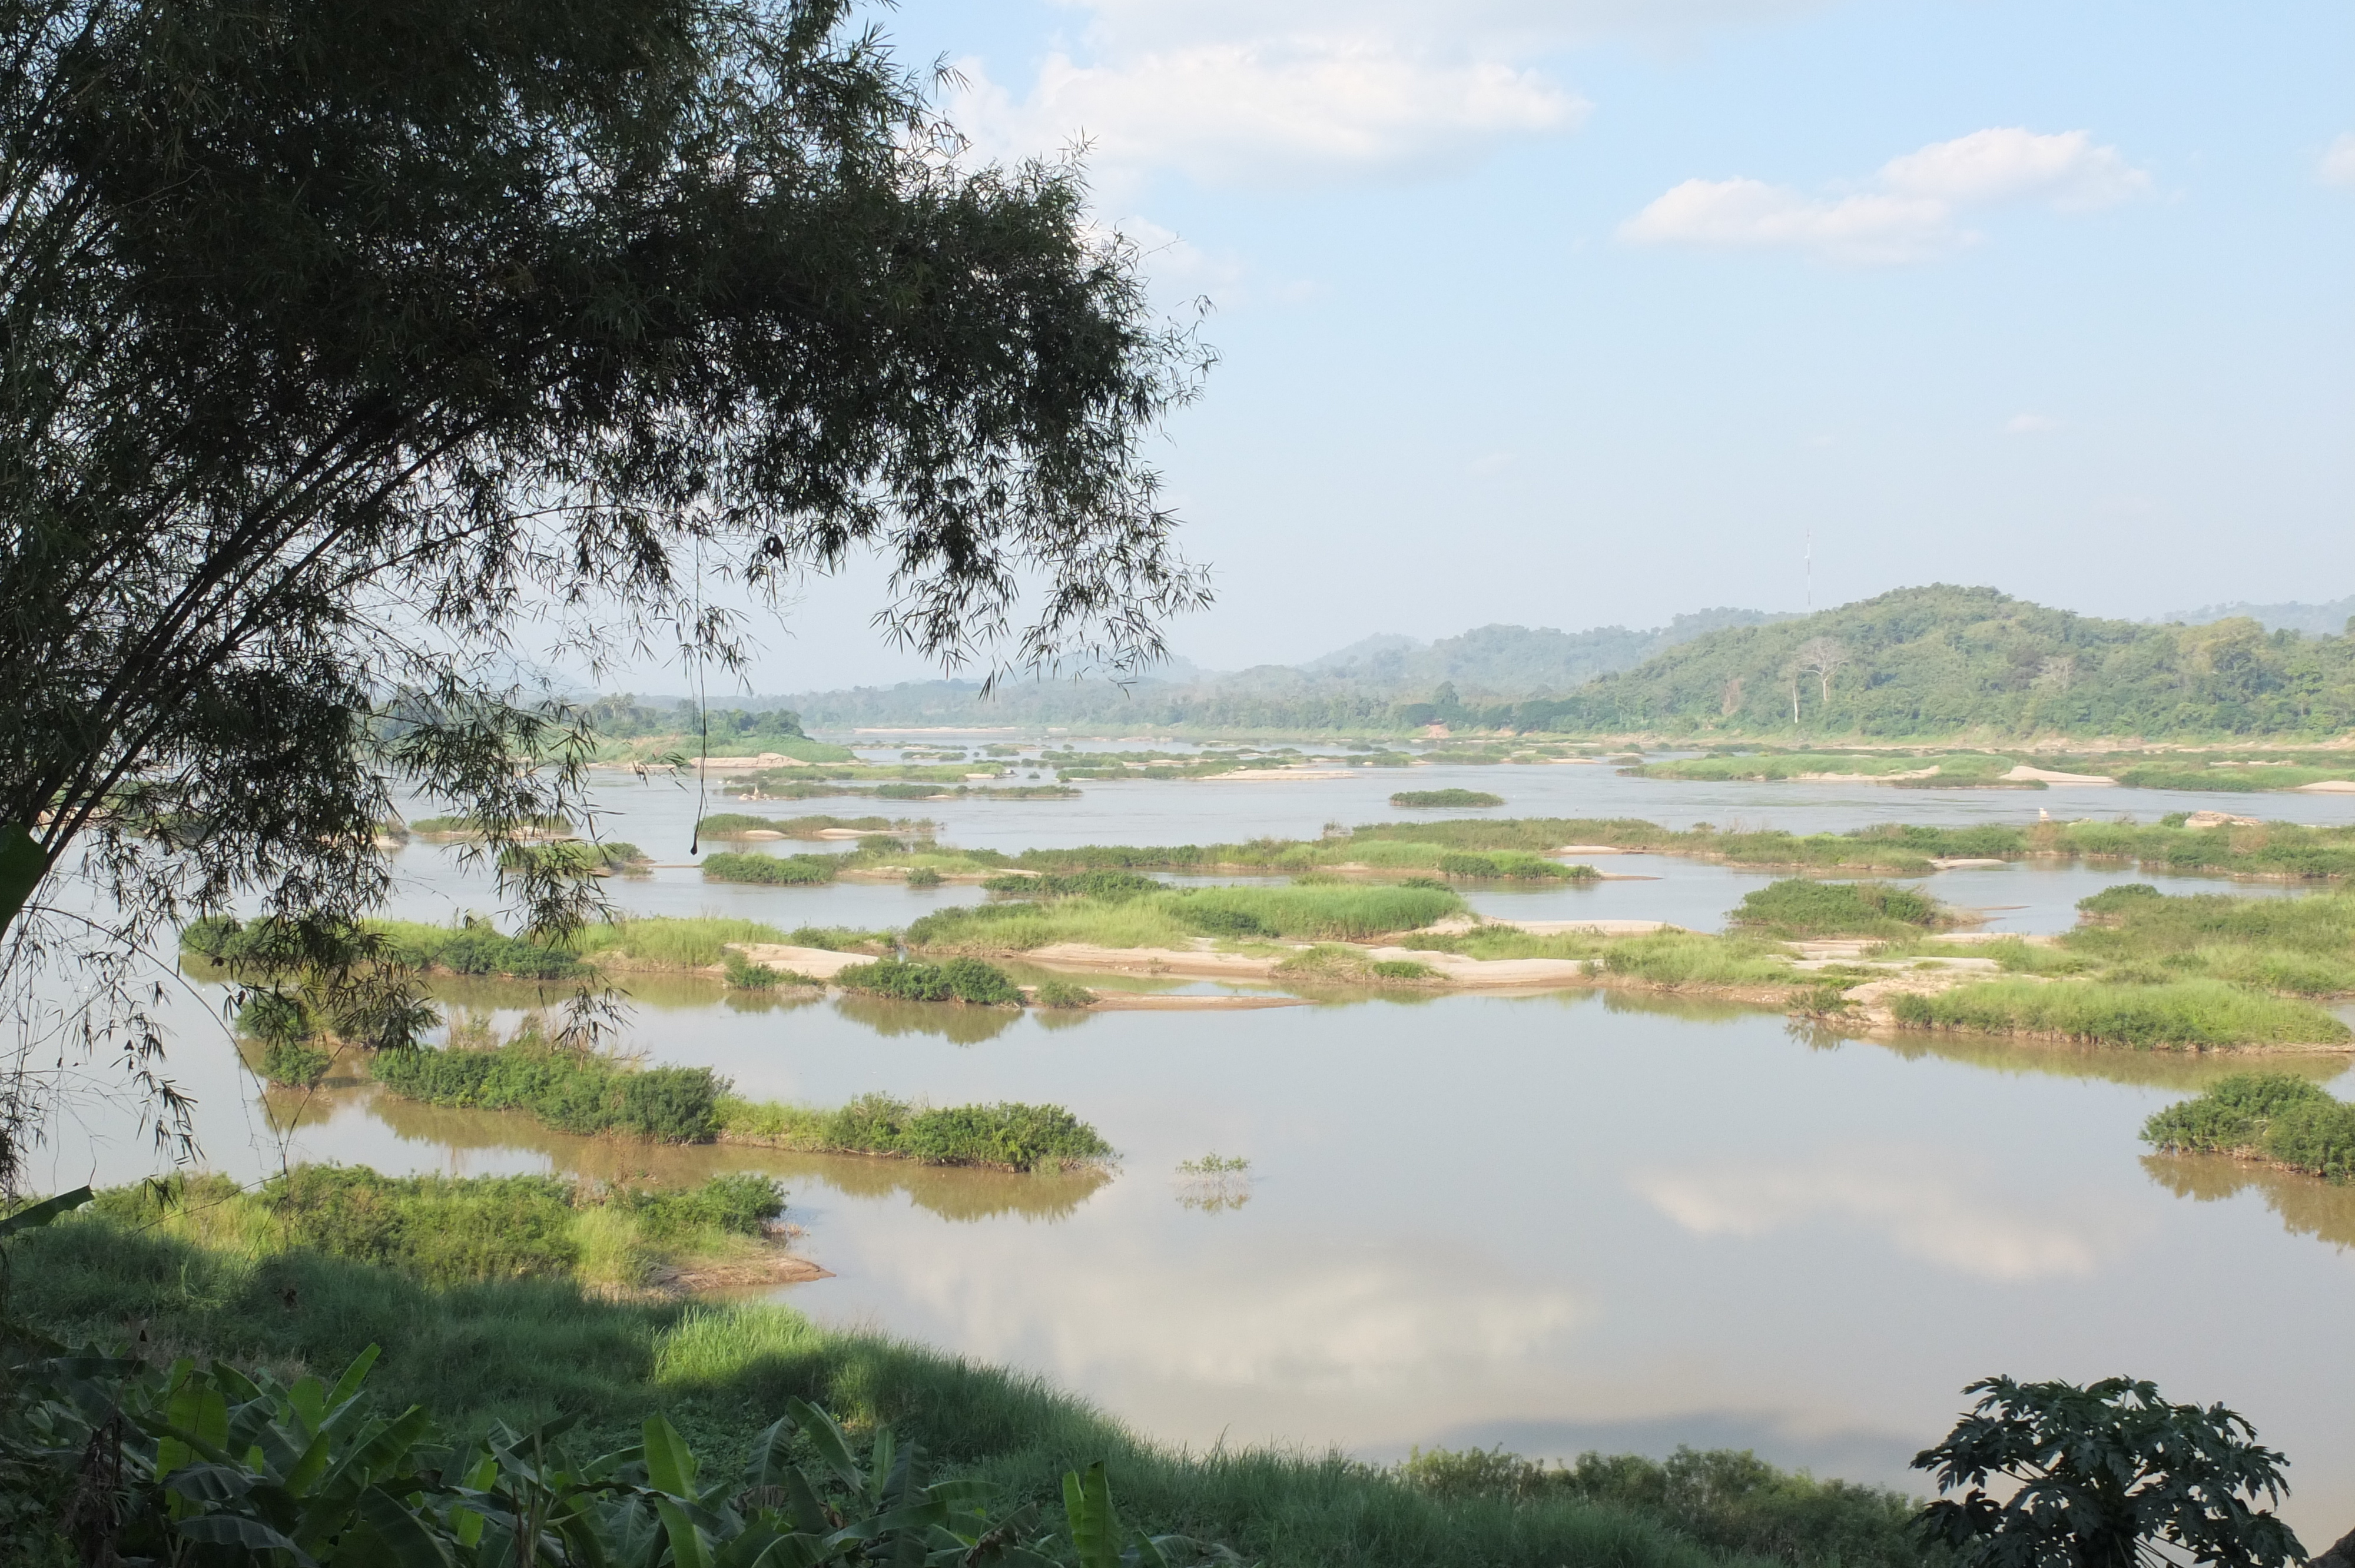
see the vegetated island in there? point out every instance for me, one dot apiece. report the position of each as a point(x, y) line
point(1380, 907)
point(1430, 799)
point(592, 1095)
point(2271, 1117)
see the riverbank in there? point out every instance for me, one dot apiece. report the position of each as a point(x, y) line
point(521, 1350)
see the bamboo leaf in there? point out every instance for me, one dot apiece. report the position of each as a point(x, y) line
point(669, 1465)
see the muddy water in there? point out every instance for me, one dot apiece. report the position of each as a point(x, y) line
point(1555, 1222)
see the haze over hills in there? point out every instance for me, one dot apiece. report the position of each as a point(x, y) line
point(2329, 619)
point(1352, 687)
point(1926, 662)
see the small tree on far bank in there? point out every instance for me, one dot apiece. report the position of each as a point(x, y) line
point(2107, 1475)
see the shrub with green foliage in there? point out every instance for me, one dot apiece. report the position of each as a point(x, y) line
point(2263, 1116)
point(291, 1064)
point(1016, 1137)
point(957, 979)
point(1801, 906)
point(772, 870)
point(743, 974)
point(570, 1091)
point(1729, 1498)
point(924, 876)
point(1433, 800)
point(1060, 994)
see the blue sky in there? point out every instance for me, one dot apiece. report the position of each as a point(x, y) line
point(1584, 313)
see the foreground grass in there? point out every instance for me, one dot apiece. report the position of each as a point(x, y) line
point(522, 1352)
point(2175, 1015)
point(448, 1231)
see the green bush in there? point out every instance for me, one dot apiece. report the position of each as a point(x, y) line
point(1801, 906)
point(924, 876)
point(1728, 1498)
point(566, 1090)
point(1054, 992)
point(1425, 799)
point(1110, 886)
point(959, 980)
point(275, 1018)
point(292, 1065)
point(2271, 1116)
point(772, 870)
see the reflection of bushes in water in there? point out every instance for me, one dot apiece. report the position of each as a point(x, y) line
point(1690, 1009)
point(959, 1025)
point(2325, 1210)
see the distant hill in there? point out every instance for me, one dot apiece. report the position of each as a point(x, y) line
point(2315, 620)
point(1943, 661)
point(1356, 687)
point(1517, 661)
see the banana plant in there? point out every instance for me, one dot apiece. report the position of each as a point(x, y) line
point(207, 1466)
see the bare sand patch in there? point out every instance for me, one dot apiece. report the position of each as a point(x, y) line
point(2024, 774)
point(818, 963)
point(2326, 786)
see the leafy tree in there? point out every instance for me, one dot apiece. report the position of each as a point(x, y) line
point(336, 339)
point(2107, 1476)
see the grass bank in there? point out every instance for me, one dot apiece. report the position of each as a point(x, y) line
point(2172, 1015)
point(447, 1230)
point(1798, 907)
point(523, 1352)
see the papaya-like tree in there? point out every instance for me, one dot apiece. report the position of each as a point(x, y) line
point(338, 342)
point(2108, 1474)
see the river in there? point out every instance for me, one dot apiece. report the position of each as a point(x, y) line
point(1555, 1222)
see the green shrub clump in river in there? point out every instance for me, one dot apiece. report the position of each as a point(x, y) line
point(2264, 1116)
point(570, 1091)
point(577, 1093)
point(1016, 1137)
point(521, 1352)
point(1799, 907)
point(1433, 800)
point(958, 980)
point(772, 870)
point(2174, 1015)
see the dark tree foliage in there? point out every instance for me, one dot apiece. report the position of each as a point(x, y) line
point(336, 339)
point(2108, 1476)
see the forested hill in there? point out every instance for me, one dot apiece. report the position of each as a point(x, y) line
point(1941, 661)
point(1360, 688)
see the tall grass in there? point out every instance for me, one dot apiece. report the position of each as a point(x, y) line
point(523, 1352)
point(1174, 917)
point(670, 942)
point(2265, 1115)
point(448, 1230)
point(2181, 1014)
point(772, 870)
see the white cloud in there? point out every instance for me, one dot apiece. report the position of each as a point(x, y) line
point(1922, 1208)
point(1912, 213)
point(2007, 163)
point(2338, 165)
point(2029, 424)
point(1270, 109)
